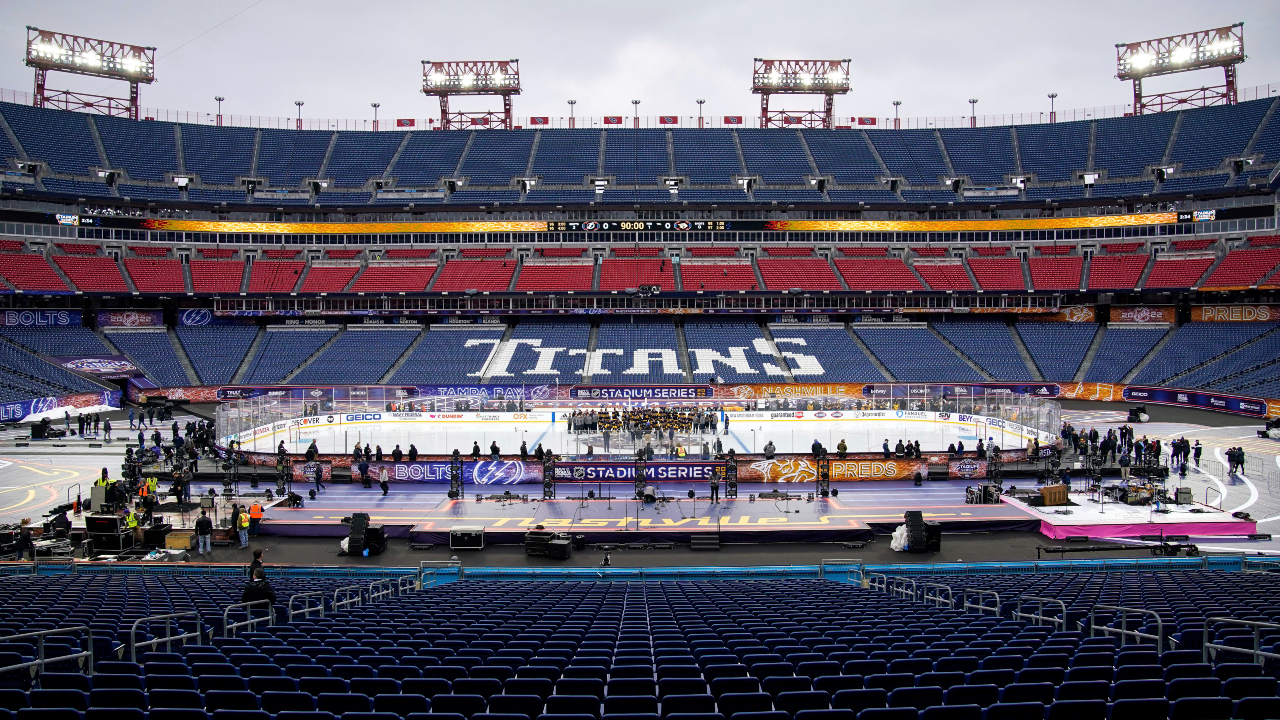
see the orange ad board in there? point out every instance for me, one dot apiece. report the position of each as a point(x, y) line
point(1235, 313)
point(1144, 313)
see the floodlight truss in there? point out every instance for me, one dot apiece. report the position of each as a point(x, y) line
point(472, 77)
point(76, 55)
point(799, 77)
point(1222, 47)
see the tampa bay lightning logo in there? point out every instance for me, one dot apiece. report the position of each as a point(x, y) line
point(499, 472)
point(196, 316)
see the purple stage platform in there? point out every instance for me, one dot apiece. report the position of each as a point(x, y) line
point(860, 509)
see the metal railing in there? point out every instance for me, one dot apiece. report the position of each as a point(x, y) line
point(307, 609)
point(85, 657)
point(1259, 655)
point(1058, 622)
point(168, 638)
point(942, 596)
point(878, 582)
point(348, 596)
point(406, 583)
point(981, 606)
point(1123, 631)
point(381, 590)
point(430, 575)
point(850, 568)
point(228, 627)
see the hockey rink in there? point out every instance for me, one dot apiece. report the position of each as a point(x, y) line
point(745, 432)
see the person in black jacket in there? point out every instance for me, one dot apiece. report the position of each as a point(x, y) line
point(258, 588)
point(204, 533)
point(413, 453)
point(397, 454)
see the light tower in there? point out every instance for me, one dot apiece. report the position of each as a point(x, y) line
point(375, 107)
point(76, 55)
point(219, 99)
point(635, 109)
point(299, 103)
point(700, 103)
point(1222, 47)
point(571, 104)
point(973, 112)
point(897, 124)
point(472, 77)
point(799, 77)
point(1053, 114)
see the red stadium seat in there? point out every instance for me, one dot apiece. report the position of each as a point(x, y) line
point(1055, 273)
point(395, 278)
point(216, 276)
point(1171, 273)
point(807, 274)
point(92, 274)
point(1116, 272)
point(878, 274)
point(555, 277)
point(623, 274)
point(271, 276)
point(998, 274)
point(718, 276)
point(29, 271)
point(485, 275)
point(945, 275)
point(328, 279)
point(152, 275)
point(1243, 268)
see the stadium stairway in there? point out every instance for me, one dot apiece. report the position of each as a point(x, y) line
point(965, 358)
point(506, 336)
point(777, 354)
point(1172, 380)
point(1026, 354)
point(408, 352)
point(682, 347)
point(249, 355)
point(1155, 350)
point(884, 370)
point(311, 358)
point(1092, 352)
point(181, 352)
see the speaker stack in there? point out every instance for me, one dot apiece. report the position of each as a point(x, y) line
point(107, 533)
point(922, 537)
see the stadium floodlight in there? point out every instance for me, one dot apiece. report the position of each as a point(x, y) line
point(59, 52)
point(472, 77)
point(799, 77)
point(1221, 47)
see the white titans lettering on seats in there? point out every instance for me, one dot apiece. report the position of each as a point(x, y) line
point(595, 358)
point(476, 343)
point(800, 364)
point(546, 357)
point(641, 357)
point(502, 358)
point(762, 347)
point(707, 358)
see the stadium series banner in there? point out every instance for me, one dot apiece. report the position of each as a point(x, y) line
point(131, 318)
point(1144, 314)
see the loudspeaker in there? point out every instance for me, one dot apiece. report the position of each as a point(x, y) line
point(579, 542)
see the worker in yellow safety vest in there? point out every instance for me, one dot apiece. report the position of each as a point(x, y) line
point(255, 517)
point(244, 530)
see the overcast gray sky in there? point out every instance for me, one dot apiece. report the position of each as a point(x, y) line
point(339, 56)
